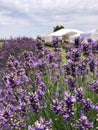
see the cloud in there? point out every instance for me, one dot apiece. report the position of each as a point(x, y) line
point(33, 17)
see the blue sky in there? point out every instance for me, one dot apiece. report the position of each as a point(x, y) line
point(37, 17)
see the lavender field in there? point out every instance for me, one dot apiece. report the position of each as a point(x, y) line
point(48, 89)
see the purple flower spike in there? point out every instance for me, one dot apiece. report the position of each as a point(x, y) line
point(84, 123)
point(69, 101)
point(41, 124)
point(94, 87)
point(57, 106)
point(79, 94)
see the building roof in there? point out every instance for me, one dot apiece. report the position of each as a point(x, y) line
point(94, 35)
point(62, 32)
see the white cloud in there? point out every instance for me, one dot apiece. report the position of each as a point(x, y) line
point(31, 17)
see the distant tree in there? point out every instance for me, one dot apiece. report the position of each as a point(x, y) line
point(58, 28)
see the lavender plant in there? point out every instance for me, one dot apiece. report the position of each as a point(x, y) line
point(35, 82)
